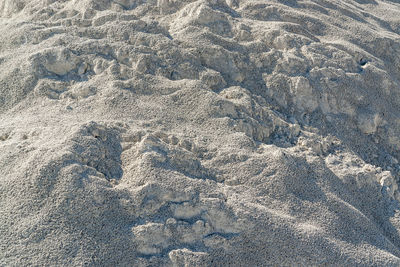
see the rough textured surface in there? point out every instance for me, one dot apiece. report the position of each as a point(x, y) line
point(199, 133)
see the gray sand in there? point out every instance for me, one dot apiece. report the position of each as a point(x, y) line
point(199, 133)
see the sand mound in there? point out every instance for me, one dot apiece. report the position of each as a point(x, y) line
point(199, 133)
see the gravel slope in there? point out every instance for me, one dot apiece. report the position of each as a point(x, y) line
point(199, 133)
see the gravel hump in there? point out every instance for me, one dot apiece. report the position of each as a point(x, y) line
point(199, 133)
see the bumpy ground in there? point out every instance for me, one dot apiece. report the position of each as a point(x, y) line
point(199, 133)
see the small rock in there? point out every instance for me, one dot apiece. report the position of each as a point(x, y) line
point(83, 68)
